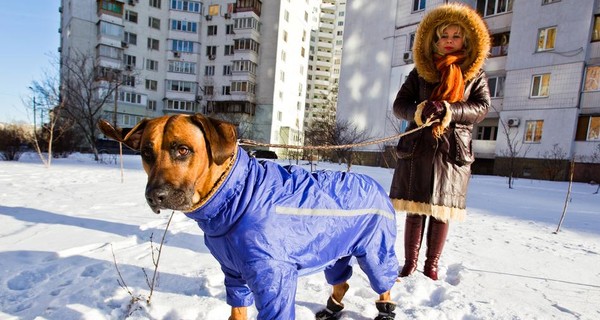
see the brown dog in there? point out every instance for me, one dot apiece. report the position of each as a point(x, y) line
point(194, 165)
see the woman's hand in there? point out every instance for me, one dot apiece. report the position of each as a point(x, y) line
point(433, 110)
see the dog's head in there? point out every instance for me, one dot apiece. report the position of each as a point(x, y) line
point(184, 156)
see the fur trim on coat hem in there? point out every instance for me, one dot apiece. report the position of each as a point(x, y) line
point(426, 209)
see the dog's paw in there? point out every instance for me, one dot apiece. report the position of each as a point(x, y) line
point(332, 312)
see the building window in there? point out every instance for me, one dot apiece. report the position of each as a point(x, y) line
point(229, 29)
point(155, 3)
point(533, 130)
point(129, 60)
point(153, 44)
point(211, 51)
point(152, 105)
point(593, 131)
point(492, 7)
point(285, 36)
point(226, 90)
point(209, 70)
point(246, 44)
point(151, 84)
point(128, 80)
point(184, 5)
point(418, 5)
point(111, 6)
point(130, 97)
point(487, 133)
point(211, 30)
point(596, 31)
point(151, 65)
point(500, 44)
point(540, 85)
point(209, 90)
point(592, 79)
point(154, 23)
point(130, 38)
point(185, 26)
point(182, 46)
point(283, 55)
point(286, 16)
point(549, 1)
point(111, 30)
point(546, 38)
point(496, 86)
point(228, 50)
point(242, 86)
point(180, 86)
point(181, 105)
point(244, 66)
point(131, 16)
point(182, 67)
point(226, 70)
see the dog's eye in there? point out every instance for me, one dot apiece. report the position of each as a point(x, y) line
point(183, 151)
point(147, 154)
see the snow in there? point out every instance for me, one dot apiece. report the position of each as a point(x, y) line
point(63, 227)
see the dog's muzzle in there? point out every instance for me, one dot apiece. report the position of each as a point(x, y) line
point(167, 197)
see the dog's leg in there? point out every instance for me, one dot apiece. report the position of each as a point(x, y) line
point(239, 313)
point(386, 307)
point(334, 303)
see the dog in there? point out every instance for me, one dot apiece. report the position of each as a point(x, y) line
point(267, 224)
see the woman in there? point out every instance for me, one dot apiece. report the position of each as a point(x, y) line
point(434, 164)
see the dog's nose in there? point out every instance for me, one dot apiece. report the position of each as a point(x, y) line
point(156, 196)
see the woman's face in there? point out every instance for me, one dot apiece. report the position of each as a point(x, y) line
point(450, 41)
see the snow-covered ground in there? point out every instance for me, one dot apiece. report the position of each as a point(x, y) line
point(62, 227)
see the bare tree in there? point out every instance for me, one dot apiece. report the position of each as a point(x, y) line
point(593, 159)
point(47, 92)
point(513, 150)
point(12, 138)
point(553, 163)
point(329, 133)
point(86, 90)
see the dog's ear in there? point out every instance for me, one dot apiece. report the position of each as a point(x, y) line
point(131, 137)
point(221, 137)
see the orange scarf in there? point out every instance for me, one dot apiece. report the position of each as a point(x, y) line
point(452, 84)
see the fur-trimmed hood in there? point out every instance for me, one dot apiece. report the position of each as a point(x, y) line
point(478, 44)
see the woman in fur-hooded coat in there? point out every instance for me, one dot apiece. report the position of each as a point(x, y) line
point(434, 164)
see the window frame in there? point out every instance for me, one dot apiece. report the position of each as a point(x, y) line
point(593, 127)
point(545, 40)
point(532, 133)
point(596, 29)
point(507, 6)
point(495, 91)
point(540, 88)
point(418, 5)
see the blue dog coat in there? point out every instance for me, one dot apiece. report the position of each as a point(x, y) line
point(268, 224)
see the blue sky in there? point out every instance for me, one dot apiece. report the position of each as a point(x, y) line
point(30, 39)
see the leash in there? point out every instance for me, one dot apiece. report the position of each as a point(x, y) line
point(247, 142)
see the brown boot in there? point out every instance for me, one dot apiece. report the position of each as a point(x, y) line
point(436, 237)
point(413, 236)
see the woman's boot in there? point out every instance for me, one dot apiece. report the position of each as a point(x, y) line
point(413, 236)
point(436, 237)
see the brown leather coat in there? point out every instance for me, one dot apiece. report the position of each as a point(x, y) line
point(432, 175)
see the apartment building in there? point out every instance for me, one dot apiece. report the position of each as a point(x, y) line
point(543, 73)
point(244, 61)
point(326, 43)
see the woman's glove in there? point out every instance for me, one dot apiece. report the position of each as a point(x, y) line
point(433, 110)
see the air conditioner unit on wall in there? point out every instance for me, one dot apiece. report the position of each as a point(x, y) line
point(512, 122)
point(408, 56)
